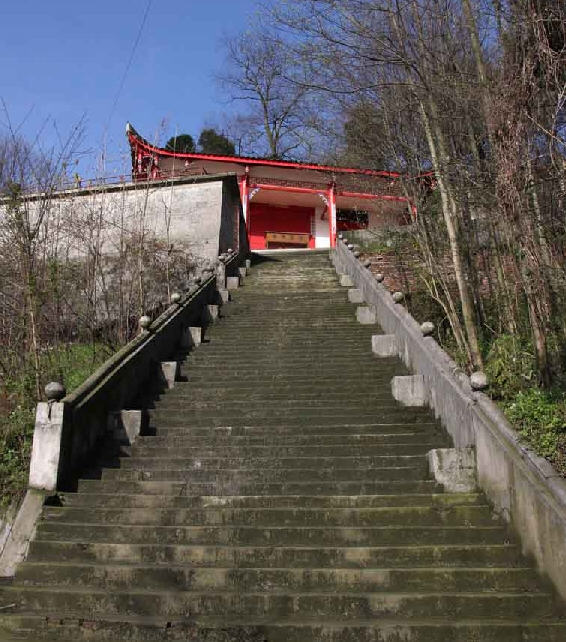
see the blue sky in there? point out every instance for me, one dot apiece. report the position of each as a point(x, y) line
point(61, 60)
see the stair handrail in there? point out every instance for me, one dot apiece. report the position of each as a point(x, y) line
point(68, 429)
point(524, 488)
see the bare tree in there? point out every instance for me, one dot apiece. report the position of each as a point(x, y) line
point(261, 73)
point(484, 85)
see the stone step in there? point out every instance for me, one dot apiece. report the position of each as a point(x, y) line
point(148, 487)
point(173, 402)
point(177, 447)
point(297, 318)
point(275, 536)
point(118, 577)
point(298, 351)
point(196, 381)
point(225, 438)
point(332, 305)
point(324, 325)
point(355, 338)
point(152, 629)
point(345, 606)
point(145, 500)
point(279, 326)
point(374, 382)
point(477, 515)
point(283, 334)
point(280, 463)
point(199, 419)
point(272, 556)
point(235, 369)
point(291, 408)
point(298, 379)
point(176, 471)
point(240, 389)
point(284, 363)
point(239, 402)
point(274, 431)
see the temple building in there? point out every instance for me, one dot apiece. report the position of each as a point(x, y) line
point(286, 204)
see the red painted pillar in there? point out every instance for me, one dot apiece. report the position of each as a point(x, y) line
point(332, 215)
point(245, 198)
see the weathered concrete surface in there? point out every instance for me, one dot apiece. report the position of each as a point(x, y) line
point(409, 390)
point(366, 315)
point(46, 448)
point(191, 337)
point(125, 425)
point(523, 487)
point(22, 531)
point(233, 282)
point(346, 281)
point(355, 295)
point(169, 371)
point(6, 524)
point(200, 214)
point(212, 313)
point(454, 468)
point(384, 345)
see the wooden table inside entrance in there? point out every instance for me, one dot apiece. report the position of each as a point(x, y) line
point(286, 238)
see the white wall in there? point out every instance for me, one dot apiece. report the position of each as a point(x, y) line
point(322, 234)
point(197, 216)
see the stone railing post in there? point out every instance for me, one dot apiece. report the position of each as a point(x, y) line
point(47, 436)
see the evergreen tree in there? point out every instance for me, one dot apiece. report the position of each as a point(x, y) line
point(211, 142)
point(183, 143)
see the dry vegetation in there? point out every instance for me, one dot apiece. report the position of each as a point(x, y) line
point(75, 276)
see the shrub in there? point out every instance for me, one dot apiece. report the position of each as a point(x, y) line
point(510, 366)
point(71, 364)
point(540, 417)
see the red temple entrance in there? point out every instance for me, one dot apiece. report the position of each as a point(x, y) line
point(294, 204)
point(279, 227)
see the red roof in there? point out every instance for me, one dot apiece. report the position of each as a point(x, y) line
point(137, 141)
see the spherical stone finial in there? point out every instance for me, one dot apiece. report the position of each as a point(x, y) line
point(230, 250)
point(398, 297)
point(175, 297)
point(379, 277)
point(478, 380)
point(427, 328)
point(340, 236)
point(367, 263)
point(198, 280)
point(345, 240)
point(145, 322)
point(55, 391)
point(357, 254)
point(350, 246)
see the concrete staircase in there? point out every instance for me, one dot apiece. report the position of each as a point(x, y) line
point(285, 497)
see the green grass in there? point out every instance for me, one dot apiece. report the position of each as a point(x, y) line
point(71, 364)
point(540, 418)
